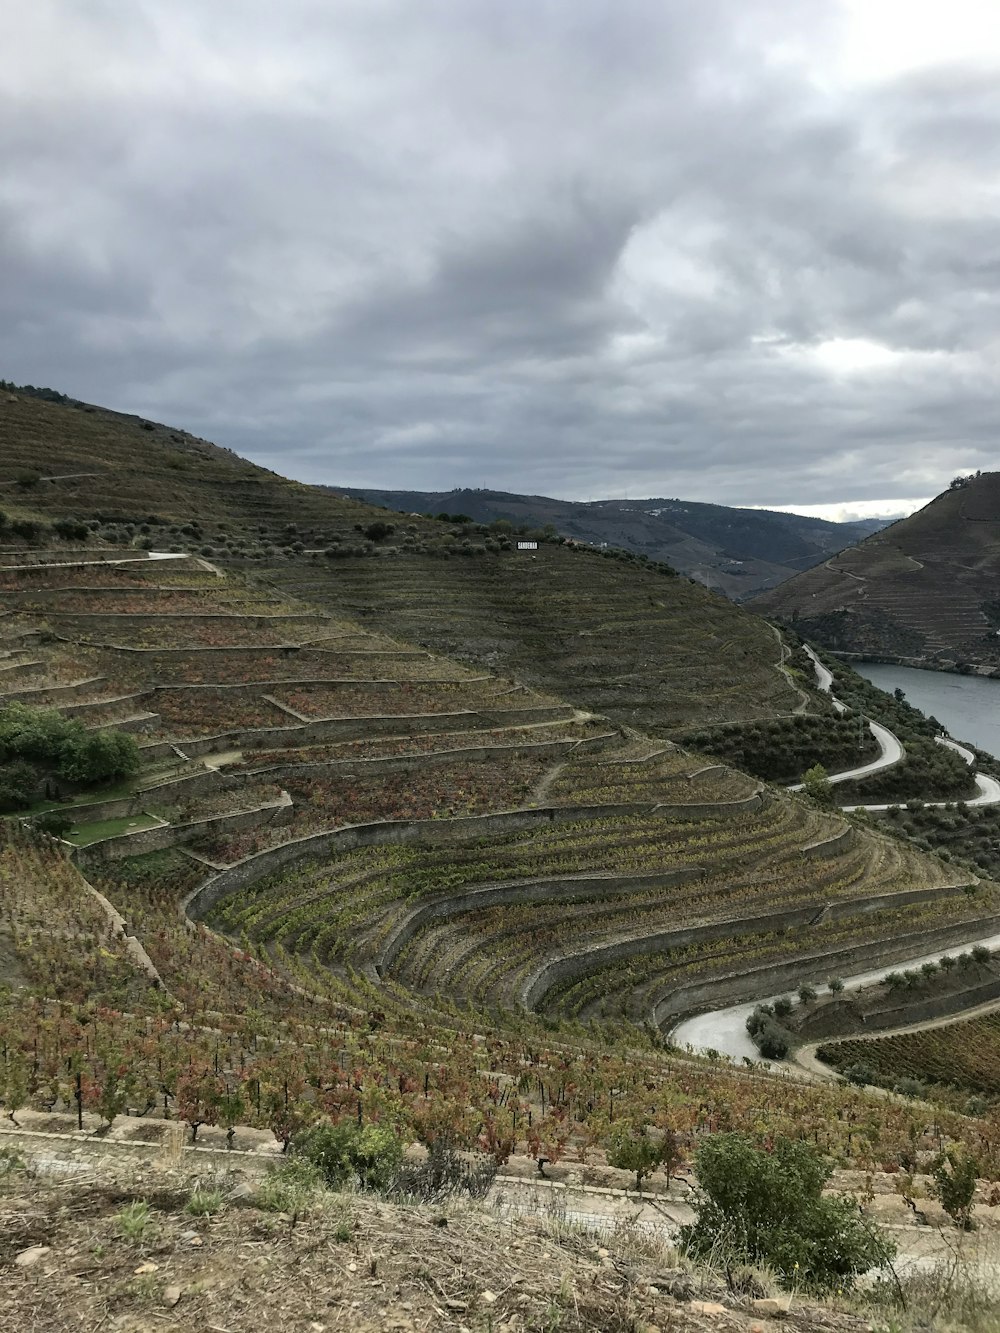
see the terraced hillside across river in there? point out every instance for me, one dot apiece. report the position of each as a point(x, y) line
point(921, 592)
point(668, 867)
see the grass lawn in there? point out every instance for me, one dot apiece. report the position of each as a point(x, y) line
point(82, 835)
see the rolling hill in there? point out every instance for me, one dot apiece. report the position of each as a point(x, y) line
point(621, 635)
point(738, 552)
point(923, 591)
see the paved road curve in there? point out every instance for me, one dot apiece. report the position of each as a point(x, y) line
point(724, 1030)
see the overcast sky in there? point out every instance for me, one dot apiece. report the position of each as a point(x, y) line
point(733, 250)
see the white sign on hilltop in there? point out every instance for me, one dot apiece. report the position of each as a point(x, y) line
point(527, 546)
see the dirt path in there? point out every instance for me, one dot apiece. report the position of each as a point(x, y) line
point(542, 787)
point(803, 704)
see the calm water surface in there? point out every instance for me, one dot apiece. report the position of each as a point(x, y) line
point(968, 706)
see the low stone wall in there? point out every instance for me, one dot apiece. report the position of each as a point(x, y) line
point(407, 762)
point(843, 1018)
point(25, 694)
point(169, 835)
point(461, 828)
point(557, 971)
point(166, 793)
point(292, 683)
point(570, 967)
point(78, 557)
point(757, 983)
point(32, 668)
point(81, 710)
point(835, 845)
point(211, 779)
point(119, 929)
point(91, 813)
point(484, 897)
point(249, 617)
point(710, 809)
point(296, 735)
point(138, 722)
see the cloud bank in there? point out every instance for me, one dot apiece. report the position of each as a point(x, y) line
point(738, 250)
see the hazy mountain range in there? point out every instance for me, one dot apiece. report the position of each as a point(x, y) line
point(740, 552)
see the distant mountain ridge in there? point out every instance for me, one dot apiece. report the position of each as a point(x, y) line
point(739, 552)
point(925, 591)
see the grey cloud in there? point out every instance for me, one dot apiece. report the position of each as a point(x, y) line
point(572, 247)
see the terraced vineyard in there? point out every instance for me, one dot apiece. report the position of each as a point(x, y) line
point(616, 635)
point(358, 874)
point(639, 648)
point(964, 1055)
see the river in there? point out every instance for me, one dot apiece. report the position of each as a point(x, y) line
point(968, 706)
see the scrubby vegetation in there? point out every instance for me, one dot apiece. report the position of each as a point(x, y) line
point(782, 750)
point(767, 1208)
point(970, 835)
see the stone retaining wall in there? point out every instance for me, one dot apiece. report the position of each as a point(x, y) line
point(92, 705)
point(758, 983)
point(359, 728)
point(842, 1017)
point(830, 847)
point(557, 971)
point(249, 617)
point(119, 929)
point(33, 668)
point(169, 835)
point(221, 657)
point(484, 897)
point(407, 762)
point(25, 693)
point(79, 556)
point(212, 779)
point(461, 828)
point(138, 722)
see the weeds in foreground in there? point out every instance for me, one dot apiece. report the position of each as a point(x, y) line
point(204, 1202)
point(135, 1222)
point(294, 1187)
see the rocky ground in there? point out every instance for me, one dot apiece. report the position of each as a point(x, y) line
point(123, 1244)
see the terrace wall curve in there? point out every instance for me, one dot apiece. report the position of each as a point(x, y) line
point(576, 887)
point(433, 831)
point(747, 985)
point(568, 967)
point(359, 728)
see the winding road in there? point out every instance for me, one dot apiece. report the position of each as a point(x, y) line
point(724, 1030)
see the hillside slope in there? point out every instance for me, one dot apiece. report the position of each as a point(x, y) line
point(611, 634)
point(353, 847)
point(739, 552)
point(923, 591)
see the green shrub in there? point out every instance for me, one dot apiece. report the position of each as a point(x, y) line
point(290, 1187)
point(768, 1209)
point(816, 784)
point(632, 1149)
point(344, 1154)
point(955, 1185)
point(204, 1201)
point(135, 1222)
point(19, 784)
point(54, 822)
